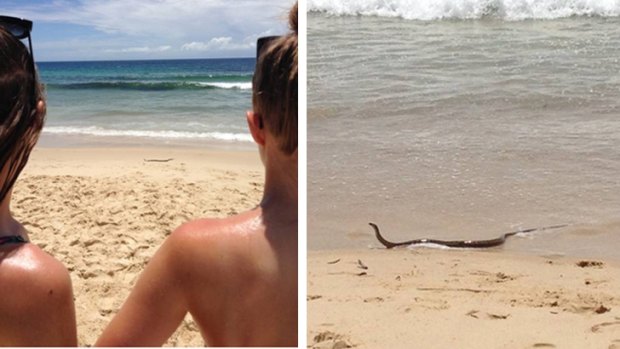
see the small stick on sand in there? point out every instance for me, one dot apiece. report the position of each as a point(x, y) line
point(361, 265)
point(158, 160)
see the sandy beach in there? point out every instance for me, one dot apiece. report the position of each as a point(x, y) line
point(462, 122)
point(426, 298)
point(104, 212)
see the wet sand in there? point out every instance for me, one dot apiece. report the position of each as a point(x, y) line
point(460, 299)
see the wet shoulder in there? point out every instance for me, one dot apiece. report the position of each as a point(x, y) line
point(224, 243)
point(226, 231)
point(36, 289)
point(38, 276)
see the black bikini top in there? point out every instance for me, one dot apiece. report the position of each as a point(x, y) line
point(13, 239)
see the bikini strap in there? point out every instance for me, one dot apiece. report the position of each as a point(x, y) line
point(14, 239)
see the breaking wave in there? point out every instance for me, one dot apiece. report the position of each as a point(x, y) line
point(427, 10)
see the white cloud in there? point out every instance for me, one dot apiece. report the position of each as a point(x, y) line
point(188, 27)
point(143, 49)
point(167, 18)
point(218, 44)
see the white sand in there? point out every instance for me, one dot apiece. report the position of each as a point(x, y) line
point(104, 212)
point(460, 299)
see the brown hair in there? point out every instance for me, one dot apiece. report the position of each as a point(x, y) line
point(20, 124)
point(275, 87)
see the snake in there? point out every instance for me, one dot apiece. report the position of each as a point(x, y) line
point(459, 243)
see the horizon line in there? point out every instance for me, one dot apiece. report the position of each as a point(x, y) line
point(136, 60)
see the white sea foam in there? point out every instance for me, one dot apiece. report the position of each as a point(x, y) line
point(528, 235)
point(228, 85)
point(100, 132)
point(432, 246)
point(468, 9)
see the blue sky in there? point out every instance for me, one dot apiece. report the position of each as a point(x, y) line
point(75, 30)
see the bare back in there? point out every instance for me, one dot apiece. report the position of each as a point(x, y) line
point(36, 303)
point(236, 276)
point(255, 280)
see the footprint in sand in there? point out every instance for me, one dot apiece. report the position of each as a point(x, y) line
point(606, 326)
point(426, 303)
point(615, 344)
point(373, 300)
point(493, 278)
point(590, 264)
point(330, 340)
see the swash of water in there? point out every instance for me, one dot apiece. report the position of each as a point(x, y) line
point(463, 128)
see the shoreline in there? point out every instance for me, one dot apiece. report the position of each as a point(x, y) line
point(400, 297)
point(596, 240)
point(49, 140)
point(104, 211)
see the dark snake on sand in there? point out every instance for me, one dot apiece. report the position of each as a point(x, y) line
point(459, 243)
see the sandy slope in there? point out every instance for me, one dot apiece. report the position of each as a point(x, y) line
point(104, 212)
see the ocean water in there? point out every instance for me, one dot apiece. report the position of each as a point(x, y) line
point(465, 119)
point(156, 101)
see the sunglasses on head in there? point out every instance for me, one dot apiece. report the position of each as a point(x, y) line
point(263, 43)
point(20, 29)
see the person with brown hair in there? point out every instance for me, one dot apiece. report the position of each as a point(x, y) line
point(36, 297)
point(236, 276)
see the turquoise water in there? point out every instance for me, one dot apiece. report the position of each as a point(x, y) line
point(157, 101)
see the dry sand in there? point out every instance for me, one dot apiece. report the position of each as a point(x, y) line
point(104, 212)
point(460, 299)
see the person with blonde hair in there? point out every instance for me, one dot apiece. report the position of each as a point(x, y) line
point(36, 296)
point(236, 276)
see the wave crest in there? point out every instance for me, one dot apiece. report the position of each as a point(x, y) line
point(467, 9)
point(151, 86)
point(101, 132)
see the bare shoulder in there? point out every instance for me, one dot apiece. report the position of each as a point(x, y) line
point(207, 240)
point(44, 299)
point(44, 282)
point(219, 231)
point(38, 275)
